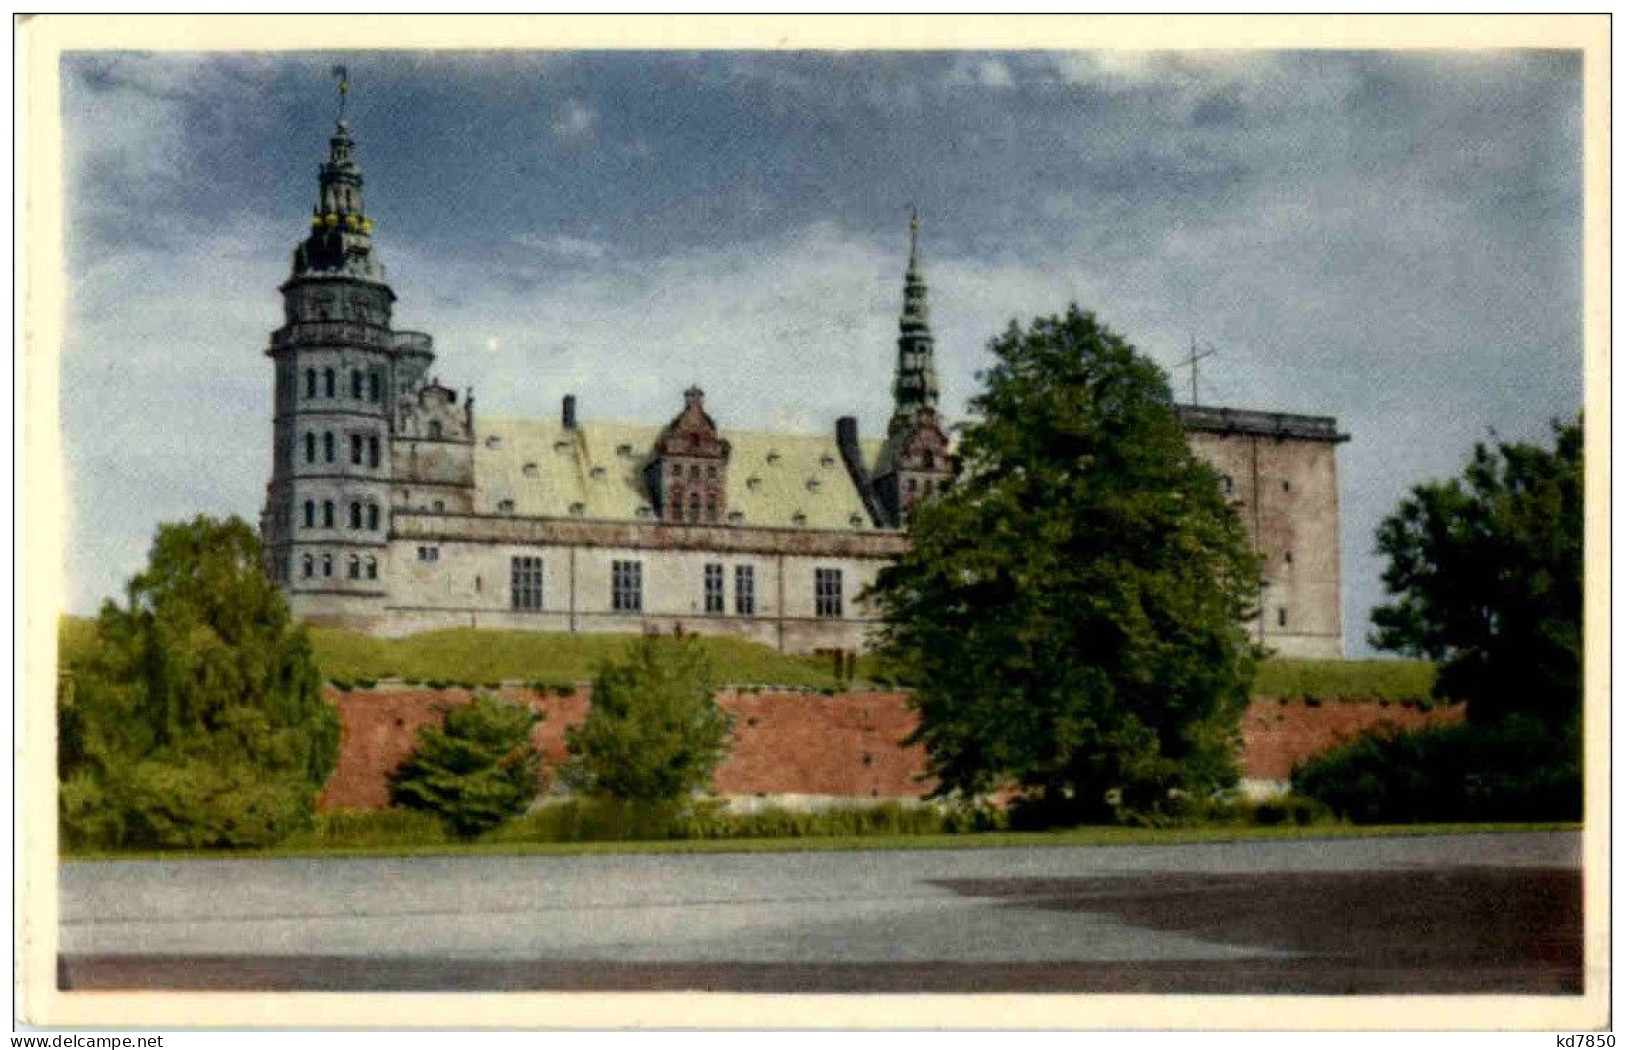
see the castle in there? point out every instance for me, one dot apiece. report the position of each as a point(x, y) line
point(392, 508)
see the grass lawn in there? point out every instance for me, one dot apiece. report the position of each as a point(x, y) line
point(482, 656)
point(1092, 836)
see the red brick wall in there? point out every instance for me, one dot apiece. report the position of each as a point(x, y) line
point(807, 744)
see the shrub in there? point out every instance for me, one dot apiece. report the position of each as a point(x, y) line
point(654, 731)
point(341, 684)
point(361, 829)
point(1518, 769)
point(366, 683)
point(476, 769)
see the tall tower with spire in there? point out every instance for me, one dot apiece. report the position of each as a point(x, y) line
point(339, 371)
point(915, 460)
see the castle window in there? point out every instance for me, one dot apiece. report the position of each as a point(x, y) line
point(1286, 486)
point(693, 472)
point(928, 461)
point(375, 387)
point(428, 554)
point(310, 383)
point(693, 506)
point(913, 484)
point(327, 565)
point(310, 514)
point(327, 446)
point(327, 513)
point(677, 470)
point(745, 590)
point(626, 586)
point(711, 507)
point(372, 568)
point(327, 381)
point(434, 430)
point(736, 517)
point(1229, 484)
point(710, 473)
point(527, 584)
point(505, 506)
point(578, 509)
point(1280, 616)
point(372, 517)
point(1288, 557)
point(310, 448)
point(308, 564)
point(355, 567)
point(827, 592)
point(439, 506)
point(357, 443)
point(356, 381)
point(372, 451)
point(798, 519)
point(355, 515)
point(715, 600)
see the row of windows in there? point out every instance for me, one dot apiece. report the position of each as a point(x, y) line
point(362, 515)
point(364, 448)
point(356, 567)
point(1229, 484)
point(369, 385)
point(626, 586)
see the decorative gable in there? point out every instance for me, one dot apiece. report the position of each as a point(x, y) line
point(687, 474)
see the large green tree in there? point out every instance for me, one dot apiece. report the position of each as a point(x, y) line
point(196, 716)
point(654, 732)
point(1485, 571)
point(1071, 608)
point(475, 769)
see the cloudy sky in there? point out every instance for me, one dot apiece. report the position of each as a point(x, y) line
point(1389, 238)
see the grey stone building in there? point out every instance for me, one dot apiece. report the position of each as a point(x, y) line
point(394, 508)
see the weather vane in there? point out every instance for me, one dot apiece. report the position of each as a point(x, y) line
point(344, 86)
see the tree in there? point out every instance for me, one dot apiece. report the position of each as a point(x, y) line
point(1071, 609)
point(476, 769)
point(196, 716)
point(1485, 571)
point(654, 732)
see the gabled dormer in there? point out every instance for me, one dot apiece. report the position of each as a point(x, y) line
point(431, 413)
point(687, 475)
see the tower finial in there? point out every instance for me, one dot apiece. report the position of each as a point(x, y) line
point(343, 73)
point(913, 238)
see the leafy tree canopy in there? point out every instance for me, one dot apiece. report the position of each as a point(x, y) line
point(654, 731)
point(1072, 607)
point(1485, 571)
point(476, 769)
point(196, 717)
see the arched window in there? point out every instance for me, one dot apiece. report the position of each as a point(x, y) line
point(327, 445)
point(372, 516)
point(693, 506)
point(355, 515)
point(310, 388)
point(355, 383)
point(434, 430)
point(309, 566)
point(327, 513)
point(327, 381)
point(372, 568)
point(355, 567)
point(327, 565)
point(310, 514)
point(310, 448)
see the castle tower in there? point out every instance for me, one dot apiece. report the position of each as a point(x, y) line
point(914, 461)
point(339, 369)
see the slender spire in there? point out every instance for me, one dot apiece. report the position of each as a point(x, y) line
point(341, 234)
point(915, 387)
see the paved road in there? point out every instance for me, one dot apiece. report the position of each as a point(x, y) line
point(1486, 913)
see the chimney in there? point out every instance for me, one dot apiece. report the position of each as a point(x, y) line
point(569, 411)
point(846, 440)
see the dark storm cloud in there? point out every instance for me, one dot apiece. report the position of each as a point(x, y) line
point(1391, 238)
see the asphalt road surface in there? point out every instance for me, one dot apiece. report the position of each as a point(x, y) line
point(1441, 914)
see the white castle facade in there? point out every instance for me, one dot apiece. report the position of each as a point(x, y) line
point(393, 508)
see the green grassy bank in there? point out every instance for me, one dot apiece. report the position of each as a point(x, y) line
point(478, 657)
